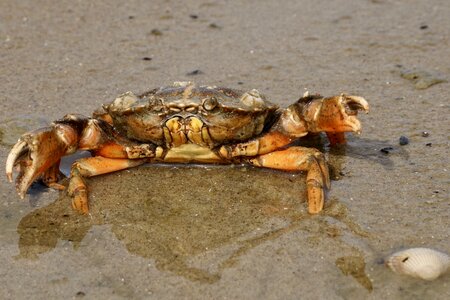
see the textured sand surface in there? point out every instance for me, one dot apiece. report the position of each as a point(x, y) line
point(222, 232)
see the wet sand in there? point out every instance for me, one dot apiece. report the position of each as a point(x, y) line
point(169, 232)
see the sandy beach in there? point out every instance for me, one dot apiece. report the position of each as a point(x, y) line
point(231, 232)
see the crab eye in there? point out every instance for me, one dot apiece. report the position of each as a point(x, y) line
point(156, 104)
point(210, 103)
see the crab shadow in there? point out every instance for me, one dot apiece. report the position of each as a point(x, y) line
point(374, 151)
point(184, 218)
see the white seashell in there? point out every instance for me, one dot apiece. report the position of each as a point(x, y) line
point(424, 263)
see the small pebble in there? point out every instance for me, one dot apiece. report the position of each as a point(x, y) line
point(386, 150)
point(214, 26)
point(156, 32)
point(195, 72)
point(425, 134)
point(403, 140)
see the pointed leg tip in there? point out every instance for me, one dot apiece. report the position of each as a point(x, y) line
point(316, 202)
point(80, 204)
point(314, 209)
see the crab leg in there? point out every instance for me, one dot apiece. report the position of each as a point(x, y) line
point(51, 177)
point(265, 144)
point(93, 166)
point(301, 159)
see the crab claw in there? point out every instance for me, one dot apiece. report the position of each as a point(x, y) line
point(18, 150)
point(355, 103)
point(336, 114)
point(36, 152)
point(349, 109)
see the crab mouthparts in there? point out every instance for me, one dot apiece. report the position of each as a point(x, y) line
point(179, 130)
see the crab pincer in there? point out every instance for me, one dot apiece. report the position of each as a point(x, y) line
point(335, 115)
point(37, 154)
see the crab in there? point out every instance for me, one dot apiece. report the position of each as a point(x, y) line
point(186, 123)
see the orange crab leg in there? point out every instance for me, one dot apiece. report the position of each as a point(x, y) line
point(92, 166)
point(301, 159)
point(51, 177)
point(265, 144)
point(111, 150)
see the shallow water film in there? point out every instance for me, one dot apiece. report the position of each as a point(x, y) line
point(216, 232)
